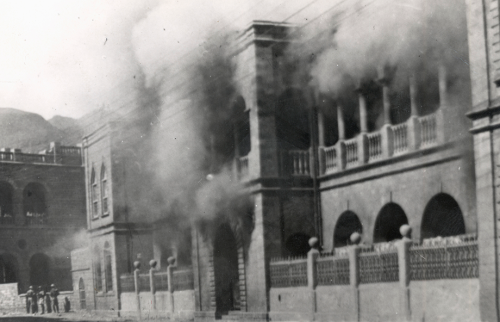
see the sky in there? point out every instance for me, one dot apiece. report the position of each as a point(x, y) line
point(71, 57)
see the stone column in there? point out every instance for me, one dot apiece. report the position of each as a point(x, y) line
point(354, 273)
point(340, 122)
point(363, 112)
point(137, 285)
point(413, 96)
point(403, 247)
point(152, 266)
point(413, 123)
point(312, 279)
point(170, 281)
point(443, 105)
point(384, 82)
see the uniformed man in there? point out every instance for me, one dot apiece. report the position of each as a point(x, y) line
point(54, 293)
point(41, 299)
point(29, 300)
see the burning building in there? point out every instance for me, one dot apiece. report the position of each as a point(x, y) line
point(291, 132)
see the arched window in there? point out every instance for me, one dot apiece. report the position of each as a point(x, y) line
point(390, 218)
point(97, 269)
point(93, 194)
point(442, 217)
point(108, 273)
point(104, 191)
point(347, 224)
point(35, 209)
point(6, 211)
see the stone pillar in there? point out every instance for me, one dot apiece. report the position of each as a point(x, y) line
point(362, 148)
point(340, 122)
point(137, 266)
point(152, 266)
point(170, 282)
point(387, 141)
point(403, 247)
point(363, 112)
point(354, 273)
point(341, 155)
point(384, 82)
point(413, 96)
point(312, 279)
point(321, 128)
point(443, 105)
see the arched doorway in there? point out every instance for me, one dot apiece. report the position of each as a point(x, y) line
point(347, 224)
point(39, 270)
point(390, 218)
point(81, 293)
point(227, 284)
point(8, 269)
point(442, 217)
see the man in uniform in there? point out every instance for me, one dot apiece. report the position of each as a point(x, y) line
point(29, 300)
point(41, 299)
point(54, 292)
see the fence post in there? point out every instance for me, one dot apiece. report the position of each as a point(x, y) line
point(152, 265)
point(137, 285)
point(404, 269)
point(170, 281)
point(354, 272)
point(312, 278)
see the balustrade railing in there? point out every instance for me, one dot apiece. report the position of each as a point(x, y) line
point(330, 159)
point(374, 146)
point(33, 158)
point(6, 156)
point(71, 150)
point(296, 163)
point(428, 130)
point(288, 273)
point(351, 148)
point(400, 137)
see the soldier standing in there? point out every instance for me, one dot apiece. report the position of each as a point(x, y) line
point(54, 293)
point(41, 299)
point(29, 300)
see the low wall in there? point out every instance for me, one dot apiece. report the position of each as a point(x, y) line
point(10, 301)
point(434, 300)
point(445, 300)
point(380, 302)
point(184, 305)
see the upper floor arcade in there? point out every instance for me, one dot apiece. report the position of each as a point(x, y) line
point(288, 128)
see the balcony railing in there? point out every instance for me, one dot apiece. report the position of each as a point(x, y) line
point(416, 133)
point(374, 146)
point(61, 155)
point(428, 130)
point(400, 137)
point(351, 149)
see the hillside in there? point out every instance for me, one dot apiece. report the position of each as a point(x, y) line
point(32, 133)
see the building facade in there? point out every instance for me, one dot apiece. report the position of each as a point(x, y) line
point(361, 161)
point(42, 204)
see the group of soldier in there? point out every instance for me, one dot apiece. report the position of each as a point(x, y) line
point(36, 302)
